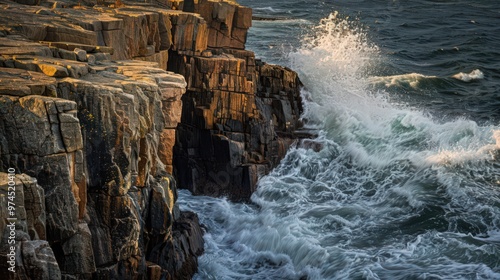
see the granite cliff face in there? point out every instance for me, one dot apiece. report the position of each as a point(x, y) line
point(237, 122)
point(100, 134)
point(94, 150)
point(239, 115)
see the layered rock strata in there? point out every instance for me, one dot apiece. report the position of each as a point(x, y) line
point(94, 126)
point(239, 115)
point(94, 149)
point(238, 120)
point(97, 137)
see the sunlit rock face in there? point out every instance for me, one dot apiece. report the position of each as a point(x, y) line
point(95, 138)
point(238, 120)
point(106, 111)
point(95, 153)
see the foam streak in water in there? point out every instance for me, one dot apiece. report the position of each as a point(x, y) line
point(412, 79)
point(468, 77)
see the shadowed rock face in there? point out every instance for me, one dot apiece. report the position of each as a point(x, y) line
point(239, 115)
point(94, 126)
point(34, 256)
point(238, 120)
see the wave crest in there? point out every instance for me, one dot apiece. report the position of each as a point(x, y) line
point(412, 79)
point(474, 75)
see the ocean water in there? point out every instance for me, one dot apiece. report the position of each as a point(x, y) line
point(406, 98)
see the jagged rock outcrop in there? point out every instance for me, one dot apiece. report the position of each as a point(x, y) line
point(249, 112)
point(97, 136)
point(228, 23)
point(97, 126)
point(239, 115)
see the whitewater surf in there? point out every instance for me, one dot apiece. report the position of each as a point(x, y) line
point(394, 193)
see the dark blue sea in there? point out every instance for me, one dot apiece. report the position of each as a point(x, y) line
point(405, 96)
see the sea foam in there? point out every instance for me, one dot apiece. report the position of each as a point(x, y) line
point(393, 193)
point(474, 75)
point(411, 79)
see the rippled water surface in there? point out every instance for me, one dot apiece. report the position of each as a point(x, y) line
point(406, 97)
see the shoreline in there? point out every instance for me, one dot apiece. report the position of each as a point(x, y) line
point(107, 111)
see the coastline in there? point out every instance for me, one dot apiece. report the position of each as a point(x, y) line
point(107, 111)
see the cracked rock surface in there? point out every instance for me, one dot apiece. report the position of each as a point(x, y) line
point(106, 111)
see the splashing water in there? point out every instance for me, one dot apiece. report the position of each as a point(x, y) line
point(393, 194)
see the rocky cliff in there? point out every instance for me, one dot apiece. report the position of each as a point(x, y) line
point(96, 135)
point(239, 114)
